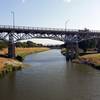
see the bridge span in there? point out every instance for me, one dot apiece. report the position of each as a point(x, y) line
point(16, 33)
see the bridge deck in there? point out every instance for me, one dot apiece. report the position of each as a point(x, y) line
point(9, 28)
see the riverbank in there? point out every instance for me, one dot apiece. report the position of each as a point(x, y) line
point(25, 51)
point(9, 65)
point(90, 59)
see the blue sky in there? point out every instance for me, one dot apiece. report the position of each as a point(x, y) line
point(52, 13)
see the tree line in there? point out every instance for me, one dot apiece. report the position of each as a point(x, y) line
point(88, 44)
point(27, 44)
point(84, 45)
point(4, 44)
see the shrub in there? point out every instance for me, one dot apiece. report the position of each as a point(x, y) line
point(19, 58)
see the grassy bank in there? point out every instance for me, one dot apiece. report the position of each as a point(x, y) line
point(26, 51)
point(90, 59)
point(9, 65)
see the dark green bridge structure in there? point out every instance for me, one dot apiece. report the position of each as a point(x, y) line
point(16, 33)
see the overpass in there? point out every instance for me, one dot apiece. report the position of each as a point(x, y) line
point(16, 33)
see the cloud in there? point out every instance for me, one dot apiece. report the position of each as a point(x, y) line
point(68, 1)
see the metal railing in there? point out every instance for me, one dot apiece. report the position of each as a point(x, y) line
point(35, 28)
point(45, 29)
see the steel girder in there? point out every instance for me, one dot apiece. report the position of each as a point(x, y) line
point(23, 33)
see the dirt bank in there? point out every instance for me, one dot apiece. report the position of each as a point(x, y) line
point(90, 59)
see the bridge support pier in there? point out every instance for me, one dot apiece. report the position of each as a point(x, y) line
point(77, 50)
point(72, 49)
point(11, 46)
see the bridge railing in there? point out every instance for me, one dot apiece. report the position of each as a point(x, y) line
point(34, 28)
point(48, 29)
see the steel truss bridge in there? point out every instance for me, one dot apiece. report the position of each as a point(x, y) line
point(16, 33)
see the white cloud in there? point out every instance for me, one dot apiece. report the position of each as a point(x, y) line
point(67, 1)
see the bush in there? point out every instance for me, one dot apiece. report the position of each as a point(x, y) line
point(19, 58)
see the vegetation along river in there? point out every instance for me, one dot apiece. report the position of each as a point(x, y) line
point(50, 77)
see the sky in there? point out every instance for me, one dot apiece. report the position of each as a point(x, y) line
point(79, 14)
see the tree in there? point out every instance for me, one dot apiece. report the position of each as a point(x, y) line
point(98, 45)
point(19, 44)
point(87, 44)
point(3, 44)
point(83, 45)
point(30, 44)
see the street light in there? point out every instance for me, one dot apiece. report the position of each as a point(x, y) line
point(13, 15)
point(66, 24)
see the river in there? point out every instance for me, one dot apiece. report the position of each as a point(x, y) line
point(49, 77)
